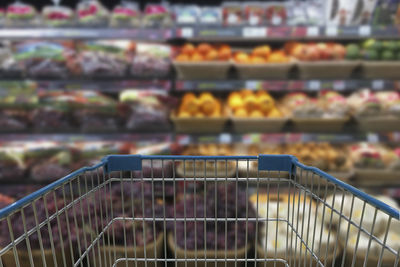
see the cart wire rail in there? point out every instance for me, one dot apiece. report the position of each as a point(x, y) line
point(184, 211)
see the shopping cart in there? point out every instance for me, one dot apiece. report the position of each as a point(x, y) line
point(137, 210)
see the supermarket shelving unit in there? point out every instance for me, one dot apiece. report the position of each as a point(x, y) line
point(245, 34)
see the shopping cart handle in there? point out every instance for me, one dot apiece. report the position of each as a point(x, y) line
point(277, 163)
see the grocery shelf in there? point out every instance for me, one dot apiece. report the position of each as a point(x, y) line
point(282, 33)
point(209, 33)
point(159, 35)
point(223, 138)
point(287, 85)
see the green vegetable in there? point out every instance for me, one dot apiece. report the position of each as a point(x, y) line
point(388, 55)
point(352, 51)
point(370, 55)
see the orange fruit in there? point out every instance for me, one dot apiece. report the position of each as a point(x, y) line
point(188, 97)
point(261, 51)
point(204, 48)
point(188, 49)
point(274, 113)
point(197, 57)
point(212, 55)
point(241, 113)
point(182, 58)
point(256, 114)
point(224, 54)
point(250, 102)
point(242, 58)
point(257, 60)
point(235, 100)
point(245, 93)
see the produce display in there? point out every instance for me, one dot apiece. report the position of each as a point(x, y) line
point(20, 14)
point(204, 52)
point(151, 60)
point(58, 16)
point(368, 103)
point(254, 105)
point(262, 54)
point(157, 15)
point(92, 13)
point(373, 156)
point(127, 14)
point(204, 105)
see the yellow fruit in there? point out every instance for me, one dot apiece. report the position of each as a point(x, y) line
point(188, 97)
point(242, 57)
point(265, 103)
point(212, 55)
point(241, 113)
point(250, 102)
point(261, 92)
point(274, 113)
point(235, 101)
point(184, 114)
point(256, 114)
point(191, 106)
point(216, 113)
point(206, 95)
point(188, 49)
point(208, 106)
point(245, 93)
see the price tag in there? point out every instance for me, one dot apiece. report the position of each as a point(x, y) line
point(225, 138)
point(314, 85)
point(312, 31)
point(184, 140)
point(187, 32)
point(331, 31)
point(339, 85)
point(246, 139)
point(254, 32)
point(378, 84)
point(364, 30)
point(373, 138)
point(252, 85)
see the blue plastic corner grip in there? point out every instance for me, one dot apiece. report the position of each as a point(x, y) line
point(123, 163)
point(276, 163)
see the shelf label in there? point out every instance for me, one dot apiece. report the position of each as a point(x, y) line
point(187, 32)
point(312, 31)
point(184, 139)
point(314, 85)
point(331, 31)
point(364, 30)
point(339, 85)
point(254, 32)
point(378, 84)
point(225, 138)
point(252, 85)
point(373, 138)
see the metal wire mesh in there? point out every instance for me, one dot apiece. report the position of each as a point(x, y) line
point(192, 211)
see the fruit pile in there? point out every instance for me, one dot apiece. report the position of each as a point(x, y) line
point(262, 54)
point(205, 105)
point(372, 49)
point(254, 105)
point(204, 52)
point(315, 51)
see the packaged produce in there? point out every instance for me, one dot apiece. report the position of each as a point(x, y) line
point(93, 111)
point(254, 13)
point(315, 12)
point(127, 14)
point(21, 14)
point(340, 12)
point(9, 66)
point(53, 112)
point(363, 12)
point(297, 13)
point(92, 13)
point(147, 109)
point(11, 163)
point(386, 13)
point(45, 58)
point(186, 14)
point(157, 15)
point(58, 16)
point(276, 13)
point(47, 161)
point(151, 60)
point(368, 156)
point(365, 103)
point(210, 15)
point(104, 58)
point(232, 13)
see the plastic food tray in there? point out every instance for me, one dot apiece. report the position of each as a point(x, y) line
point(202, 70)
point(131, 252)
point(264, 71)
point(381, 69)
point(327, 69)
point(384, 123)
point(199, 125)
point(261, 125)
point(220, 254)
point(319, 124)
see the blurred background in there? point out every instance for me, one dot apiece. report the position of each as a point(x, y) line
point(316, 79)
